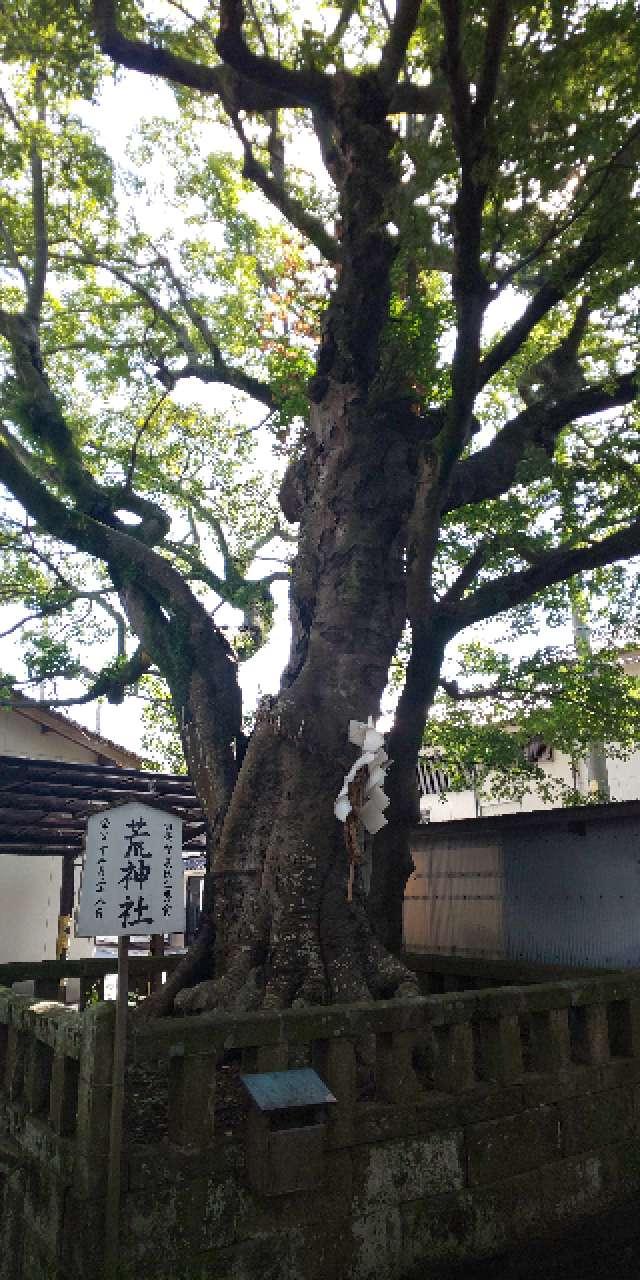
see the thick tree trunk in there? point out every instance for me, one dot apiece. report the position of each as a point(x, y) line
point(284, 927)
point(285, 930)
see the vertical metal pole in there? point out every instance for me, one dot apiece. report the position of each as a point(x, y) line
point(117, 1103)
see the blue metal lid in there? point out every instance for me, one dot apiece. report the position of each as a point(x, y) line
point(282, 1090)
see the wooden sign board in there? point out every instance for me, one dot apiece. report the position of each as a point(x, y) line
point(132, 880)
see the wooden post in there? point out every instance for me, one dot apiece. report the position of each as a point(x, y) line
point(67, 890)
point(117, 1104)
point(156, 948)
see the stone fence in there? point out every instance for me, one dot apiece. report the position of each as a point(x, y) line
point(49, 978)
point(465, 1124)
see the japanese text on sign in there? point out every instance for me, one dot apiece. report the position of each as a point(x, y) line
point(132, 878)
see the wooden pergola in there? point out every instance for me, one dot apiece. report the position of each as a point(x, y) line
point(44, 804)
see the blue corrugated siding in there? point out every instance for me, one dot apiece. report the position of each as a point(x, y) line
point(573, 899)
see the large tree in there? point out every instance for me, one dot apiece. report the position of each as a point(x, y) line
point(459, 186)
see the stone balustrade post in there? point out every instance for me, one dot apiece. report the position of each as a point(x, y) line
point(94, 1095)
point(15, 1062)
point(63, 1094)
point(623, 1017)
point(454, 1066)
point(594, 1034)
point(46, 988)
point(4, 1039)
point(395, 1076)
point(192, 1089)
point(550, 1044)
point(500, 1049)
point(39, 1062)
point(335, 1062)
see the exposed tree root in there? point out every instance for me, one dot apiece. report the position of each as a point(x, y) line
point(197, 963)
point(340, 963)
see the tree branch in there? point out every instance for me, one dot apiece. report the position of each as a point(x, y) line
point(200, 572)
point(575, 266)
point(47, 611)
point(91, 497)
point(197, 319)
point(117, 548)
point(395, 49)
point(469, 284)
point(236, 90)
point(576, 210)
point(496, 34)
point(417, 99)
point(491, 471)
point(556, 566)
point(311, 88)
point(110, 683)
point(128, 484)
point(332, 157)
point(156, 307)
point(13, 257)
point(40, 414)
point(453, 691)
point(468, 572)
point(35, 294)
point(457, 76)
point(218, 371)
point(291, 208)
point(263, 541)
point(222, 373)
point(349, 7)
point(8, 110)
point(155, 60)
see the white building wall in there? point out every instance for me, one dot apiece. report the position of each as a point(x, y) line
point(29, 903)
point(20, 736)
point(449, 806)
point(624, 784)
point(624, 777)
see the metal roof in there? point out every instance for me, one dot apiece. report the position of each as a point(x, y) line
point(287, 1090)
point(571, 819)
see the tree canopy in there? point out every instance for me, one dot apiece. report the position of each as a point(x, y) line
point(388, 256)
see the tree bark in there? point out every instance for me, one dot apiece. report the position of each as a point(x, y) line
point(392, 862)
point(284, 928)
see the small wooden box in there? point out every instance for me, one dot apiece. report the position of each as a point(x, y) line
point(286, 1131)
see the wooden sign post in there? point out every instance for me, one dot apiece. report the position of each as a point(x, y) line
point(112, 1222)
point(132, 883)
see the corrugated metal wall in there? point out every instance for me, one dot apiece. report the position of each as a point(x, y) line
point(547, 895)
